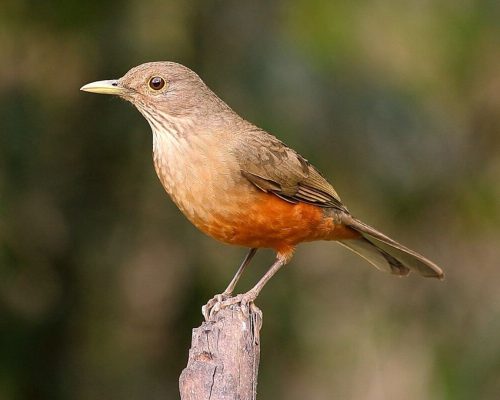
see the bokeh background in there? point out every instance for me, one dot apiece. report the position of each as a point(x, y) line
point(102, 278)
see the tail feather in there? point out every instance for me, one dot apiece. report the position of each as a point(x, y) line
point(386, 254)
point(379, 258)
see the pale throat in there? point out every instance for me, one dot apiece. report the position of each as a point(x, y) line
point(162, 122)
point(169, 136)
point(170, 145)
point(179, 156)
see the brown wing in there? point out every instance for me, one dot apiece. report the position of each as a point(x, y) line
point(273, 167)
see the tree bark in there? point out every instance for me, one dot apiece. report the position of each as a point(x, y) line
point(224, 357)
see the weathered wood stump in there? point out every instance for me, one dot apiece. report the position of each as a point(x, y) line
point(224, 357)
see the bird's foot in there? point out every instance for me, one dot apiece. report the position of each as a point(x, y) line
point(214, 305)
point(225, 300)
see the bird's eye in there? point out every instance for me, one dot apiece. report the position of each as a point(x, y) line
point(156, 83)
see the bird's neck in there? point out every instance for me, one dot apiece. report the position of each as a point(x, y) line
point(164, 124)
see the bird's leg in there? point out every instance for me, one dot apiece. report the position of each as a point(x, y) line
point(219, 298)
point(252, 294)
point(247, 299)
point(230, 288)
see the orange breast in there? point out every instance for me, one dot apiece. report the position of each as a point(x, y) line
point(265, 220)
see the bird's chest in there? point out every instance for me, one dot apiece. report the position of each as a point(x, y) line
point(197, 175)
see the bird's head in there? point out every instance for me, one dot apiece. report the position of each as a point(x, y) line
point(162, 90)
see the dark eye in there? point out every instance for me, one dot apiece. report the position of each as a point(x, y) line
point(156, 83)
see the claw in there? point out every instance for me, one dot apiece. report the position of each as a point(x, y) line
point(221, 301)
point(213, 306)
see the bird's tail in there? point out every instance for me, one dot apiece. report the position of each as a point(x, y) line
point(387, 254)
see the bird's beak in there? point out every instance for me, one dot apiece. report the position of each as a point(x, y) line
point(104, 87)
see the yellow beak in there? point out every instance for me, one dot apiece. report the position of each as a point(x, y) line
point(104, 87)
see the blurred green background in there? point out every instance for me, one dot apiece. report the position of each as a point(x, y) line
point(102, 278)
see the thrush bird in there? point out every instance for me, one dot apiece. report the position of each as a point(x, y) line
point(241, 185)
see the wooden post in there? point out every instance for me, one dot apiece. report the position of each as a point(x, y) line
point(224, 357)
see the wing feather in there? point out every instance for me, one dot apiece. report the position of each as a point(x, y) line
point(274, 167)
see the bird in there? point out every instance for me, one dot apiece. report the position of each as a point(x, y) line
point(241, 185)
